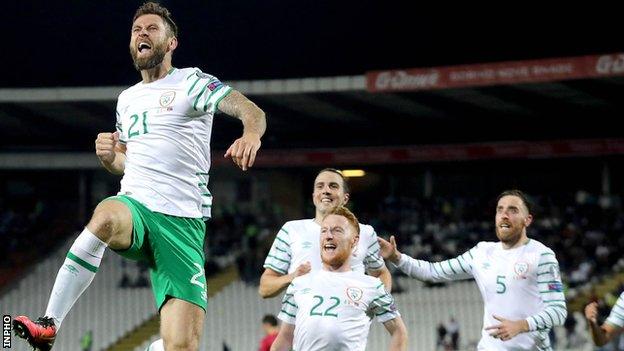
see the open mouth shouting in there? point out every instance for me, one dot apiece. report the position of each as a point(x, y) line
point(329, 247)
point(144, 48)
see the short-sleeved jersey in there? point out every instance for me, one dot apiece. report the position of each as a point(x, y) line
point(166, 127)
point(333, 310)
point(616, 317)
point(299, 241)
point(519, 283)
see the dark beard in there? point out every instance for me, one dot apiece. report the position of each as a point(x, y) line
point(156, 59)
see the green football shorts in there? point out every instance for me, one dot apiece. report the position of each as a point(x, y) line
point(173, 248)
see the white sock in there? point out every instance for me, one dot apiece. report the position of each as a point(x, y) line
point(157, 345)
point(77, 272)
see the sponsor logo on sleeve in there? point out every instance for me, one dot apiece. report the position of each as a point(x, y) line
point(214, 85)
point(555, 287)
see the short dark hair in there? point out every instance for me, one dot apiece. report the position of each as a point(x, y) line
point(521, 195)
point(269, 319)
point(154, 8)
point(345, 184)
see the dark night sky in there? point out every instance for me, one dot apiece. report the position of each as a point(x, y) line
point(84, 43)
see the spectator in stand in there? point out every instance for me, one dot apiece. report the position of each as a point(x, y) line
point(453, 330)
point(441, 342)
point(269, 325)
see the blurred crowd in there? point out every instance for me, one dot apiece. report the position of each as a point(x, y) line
point(585, 230)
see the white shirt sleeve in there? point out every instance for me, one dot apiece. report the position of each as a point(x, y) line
point(288, 313)
point(551, 291)
point(383, 306)
point(456, 268)
point(280, 255)
point(373, 260)
point(205, 91)
point(616, 317)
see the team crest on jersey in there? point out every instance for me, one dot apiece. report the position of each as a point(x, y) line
point(521, 269)
point(167, 98)
point(355, 294)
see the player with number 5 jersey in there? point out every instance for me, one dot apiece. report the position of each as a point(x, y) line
point(161, 146)
point(518, 278)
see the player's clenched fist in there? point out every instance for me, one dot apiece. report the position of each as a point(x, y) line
point(105, 146)
point(591, 312)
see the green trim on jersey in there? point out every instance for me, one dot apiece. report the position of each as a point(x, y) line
point(222, 97)
point(173, 247)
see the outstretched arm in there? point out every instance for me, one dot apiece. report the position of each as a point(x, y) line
point(272, 282)
point(456, 268)
point(243, 150)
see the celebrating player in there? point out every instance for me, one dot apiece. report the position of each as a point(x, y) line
point(162, 148)
point(331, 308)
point(518, 278)
point(295, 250)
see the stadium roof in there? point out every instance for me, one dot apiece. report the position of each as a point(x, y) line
point(340, 117)
point(84, 44)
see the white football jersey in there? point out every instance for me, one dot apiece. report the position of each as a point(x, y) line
point(299, 241)
point(333, 310)
point(166, 127)
point(616, 317)
point(518, 283)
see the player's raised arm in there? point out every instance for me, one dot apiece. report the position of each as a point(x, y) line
point(456, 268)
point(111, 152)
point(243, 150)
point(272, 282)
point(612, 327)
